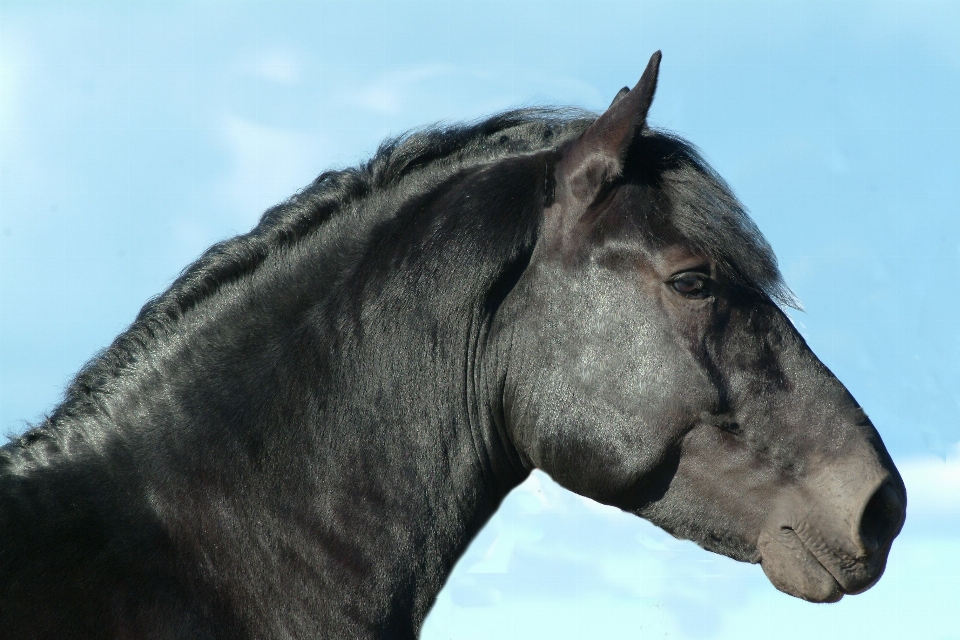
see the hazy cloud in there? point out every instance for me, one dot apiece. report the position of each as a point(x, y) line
point(277, 66)
point(391, 92)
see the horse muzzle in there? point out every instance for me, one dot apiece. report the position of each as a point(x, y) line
point(820, 550)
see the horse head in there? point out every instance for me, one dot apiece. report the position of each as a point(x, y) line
point(303, 433)
point(651, 367)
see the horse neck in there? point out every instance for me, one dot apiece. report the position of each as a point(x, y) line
point(421, 460)
point(327, 417)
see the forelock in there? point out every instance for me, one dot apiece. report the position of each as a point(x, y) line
point(702, 209)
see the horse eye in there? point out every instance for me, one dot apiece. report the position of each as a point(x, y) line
point(692, 285)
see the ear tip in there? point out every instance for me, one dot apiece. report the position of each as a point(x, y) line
point(649, 77)
point(648, 81)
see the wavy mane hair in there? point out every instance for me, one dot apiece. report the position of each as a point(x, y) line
point(702, 209)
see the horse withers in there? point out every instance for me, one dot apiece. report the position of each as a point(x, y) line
point(301, 436)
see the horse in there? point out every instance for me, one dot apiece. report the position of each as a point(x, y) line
point(303, 433)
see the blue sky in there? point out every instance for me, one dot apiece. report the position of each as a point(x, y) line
point(134, 135)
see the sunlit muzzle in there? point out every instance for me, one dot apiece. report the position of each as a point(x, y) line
point(831, 537)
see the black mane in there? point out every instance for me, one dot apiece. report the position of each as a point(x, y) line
point(702, 209)
point(432, 153)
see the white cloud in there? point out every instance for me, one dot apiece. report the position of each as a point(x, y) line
point(548, 554)
point(933, 484)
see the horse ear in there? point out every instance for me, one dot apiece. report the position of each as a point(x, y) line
point(598, 156)
point(619, 95)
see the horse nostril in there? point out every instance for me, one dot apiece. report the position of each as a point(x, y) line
point(881, 519)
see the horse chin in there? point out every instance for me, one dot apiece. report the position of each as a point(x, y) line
point(794, 569)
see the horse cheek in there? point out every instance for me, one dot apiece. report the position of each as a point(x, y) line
point(601, 420)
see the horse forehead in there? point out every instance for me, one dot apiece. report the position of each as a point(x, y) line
point(675, 257)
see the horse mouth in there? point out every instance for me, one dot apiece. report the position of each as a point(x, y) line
point(795, 569)
point(824, 564)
